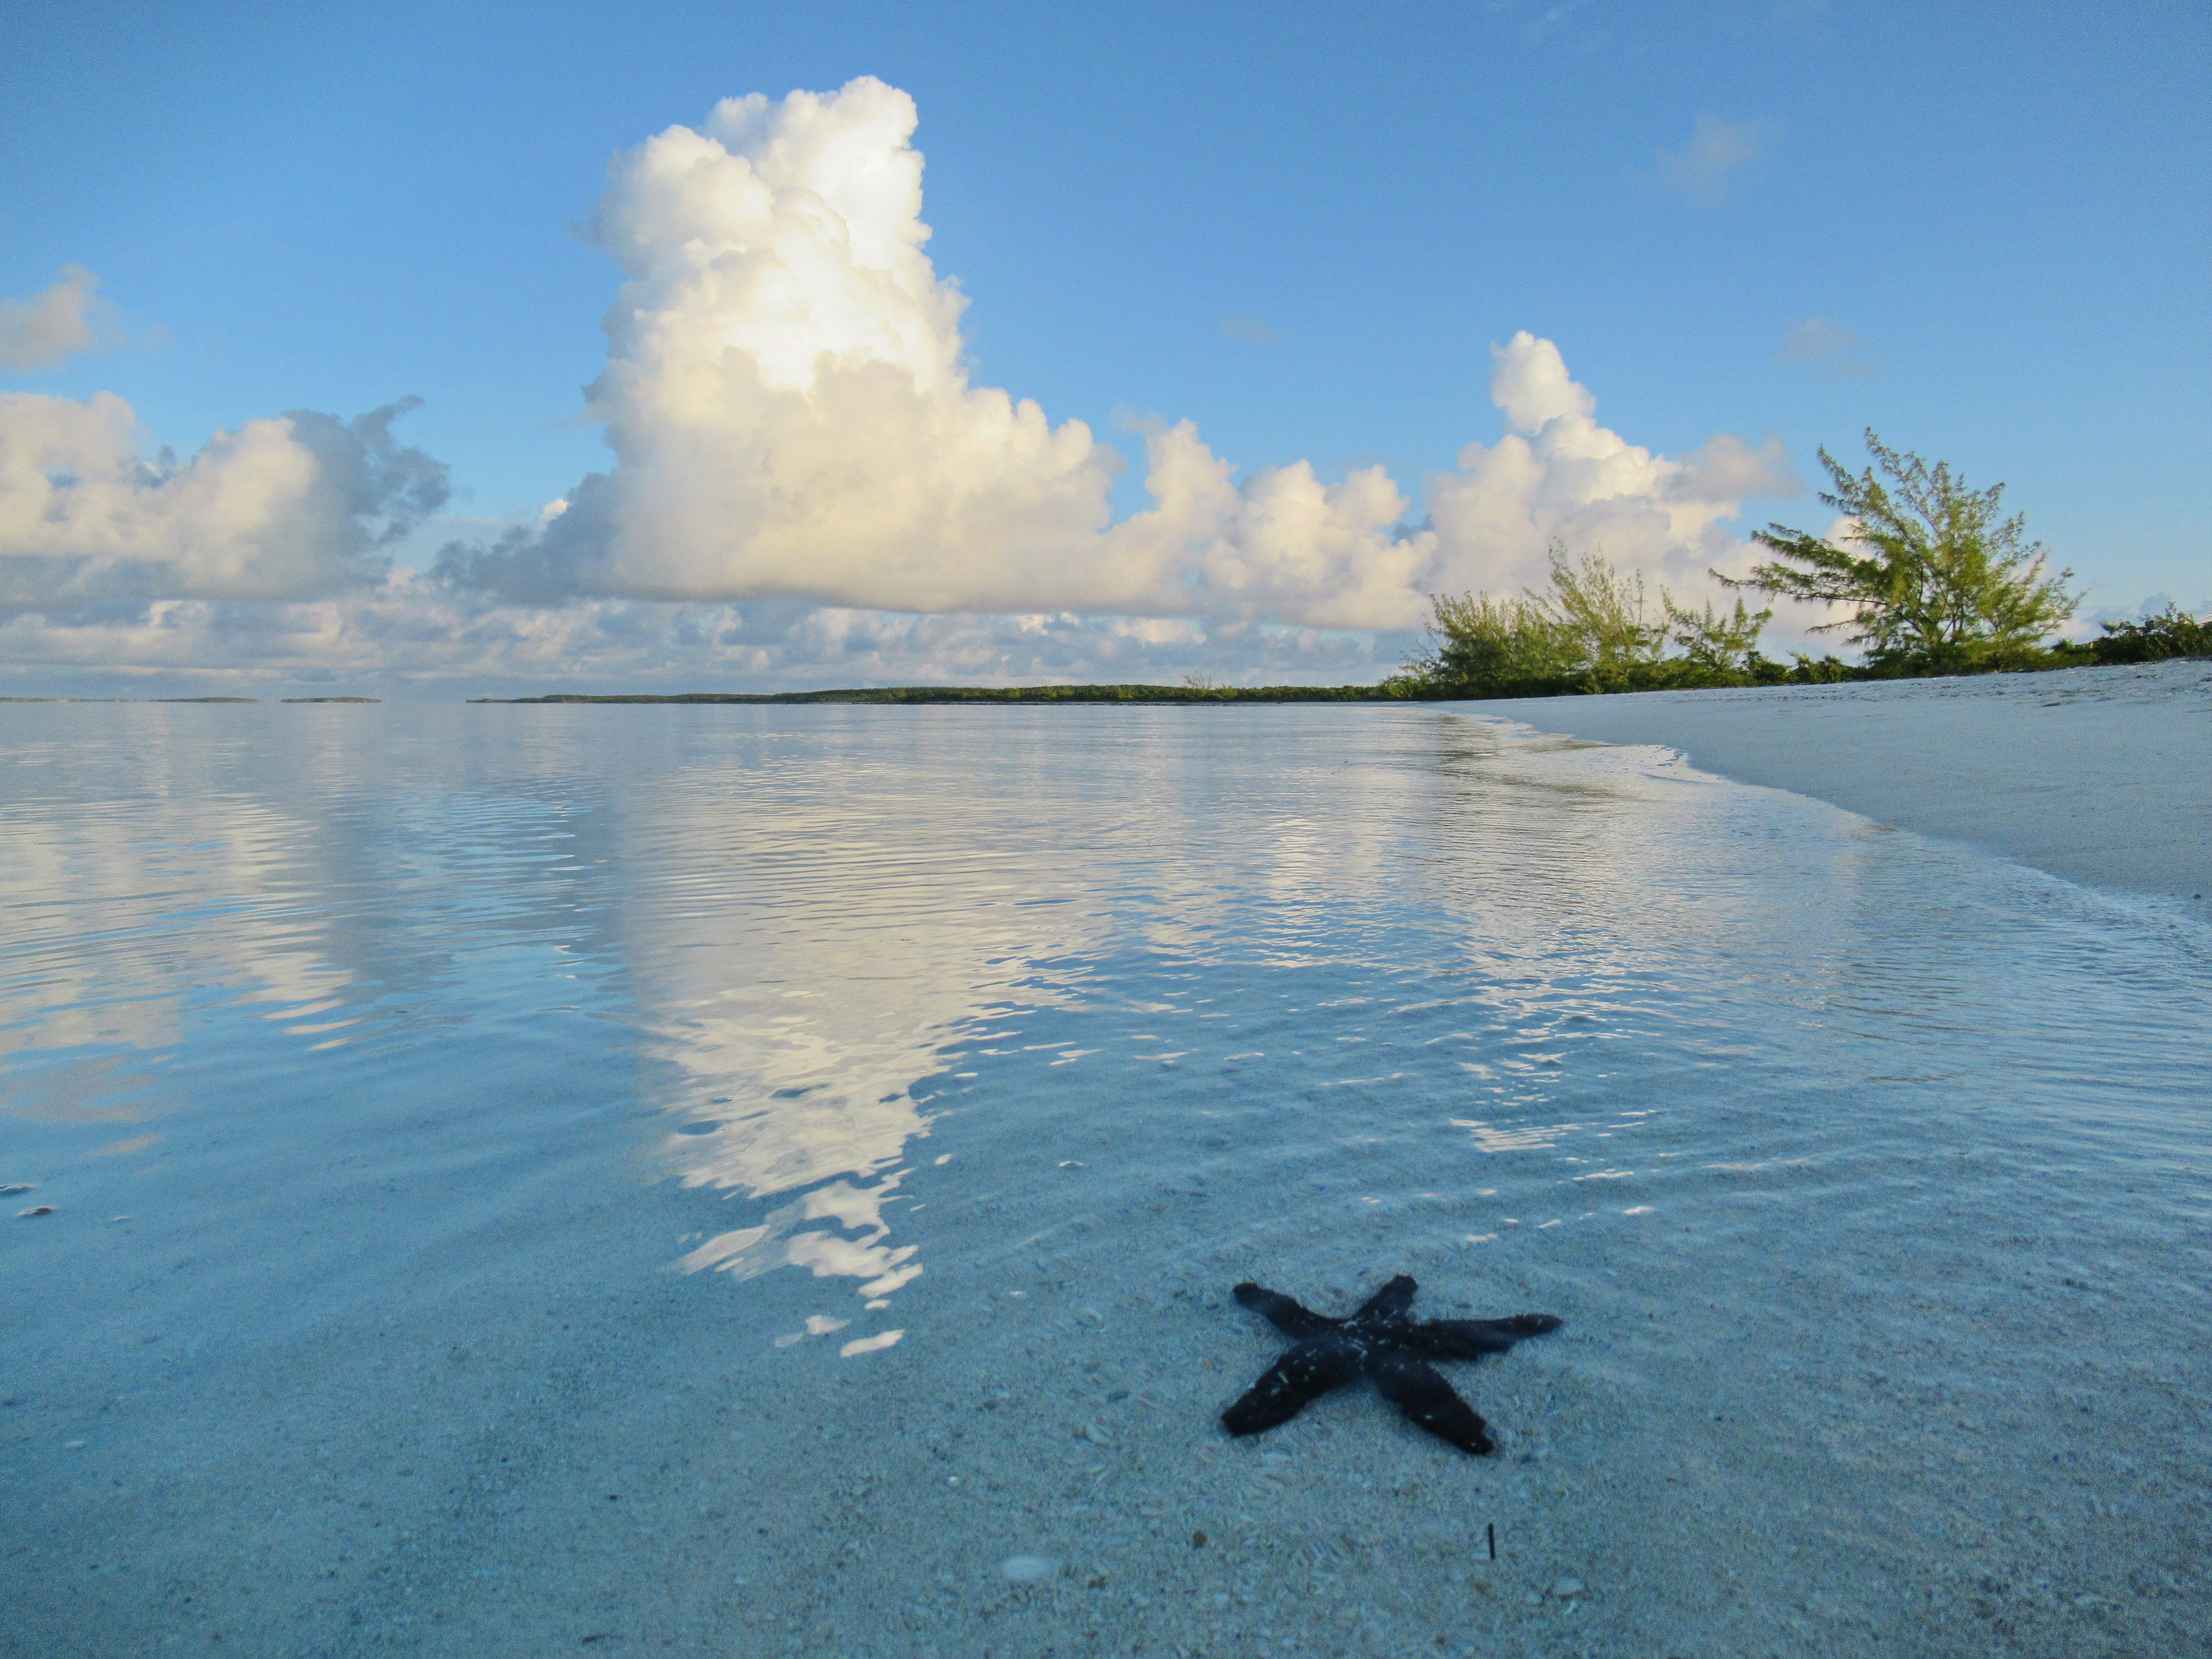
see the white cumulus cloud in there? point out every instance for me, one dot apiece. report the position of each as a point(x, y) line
point(788, 401)
point(282, 508)
point(409, 630)
point(786, 397)
point(1557, 475)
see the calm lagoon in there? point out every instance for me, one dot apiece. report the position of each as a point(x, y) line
point(737, 1181)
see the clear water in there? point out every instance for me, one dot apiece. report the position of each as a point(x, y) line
point(800, 1124)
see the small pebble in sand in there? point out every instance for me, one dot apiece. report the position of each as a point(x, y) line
point(20, 1187)
point(1567, 1588)
point(1028, 1569)
point(36, 1209)
point(1197, 1541)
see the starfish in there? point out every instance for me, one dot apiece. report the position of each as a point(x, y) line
point(1378, 1341)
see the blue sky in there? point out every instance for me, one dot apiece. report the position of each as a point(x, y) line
point(1985, 231)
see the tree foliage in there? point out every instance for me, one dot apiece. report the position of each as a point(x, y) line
point(1724, 644)
point(1934, 578)
point(1603, 616)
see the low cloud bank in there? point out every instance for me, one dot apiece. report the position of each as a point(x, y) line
point(412, 629)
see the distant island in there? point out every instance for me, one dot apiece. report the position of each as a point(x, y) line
point(1387, 692)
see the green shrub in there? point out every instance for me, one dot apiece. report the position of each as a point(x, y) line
point(1721, 646)
point(1476, 641)
point(1591, 630)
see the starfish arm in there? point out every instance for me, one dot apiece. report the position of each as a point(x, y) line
point(1390, 1301)
point(1285, 1315)
point(1468, 1339)
point(1306, 1372)
point(1423, 1397)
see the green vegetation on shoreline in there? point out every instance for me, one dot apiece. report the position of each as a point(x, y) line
point(1932, 581)
point(2169, 635)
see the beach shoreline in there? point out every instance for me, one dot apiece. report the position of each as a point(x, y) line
point(2097, 774)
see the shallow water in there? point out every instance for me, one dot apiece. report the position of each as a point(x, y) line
point(730, 1179)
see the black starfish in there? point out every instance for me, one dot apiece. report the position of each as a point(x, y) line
point(1378, 1341)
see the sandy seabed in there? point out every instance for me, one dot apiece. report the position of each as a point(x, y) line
point(1959, 1418)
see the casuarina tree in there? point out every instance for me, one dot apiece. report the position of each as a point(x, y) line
point(1932, 575)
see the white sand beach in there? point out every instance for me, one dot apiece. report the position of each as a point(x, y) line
point(2097, 774)
point(665, 1182)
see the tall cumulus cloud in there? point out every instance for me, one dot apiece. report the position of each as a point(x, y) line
point(786, 399)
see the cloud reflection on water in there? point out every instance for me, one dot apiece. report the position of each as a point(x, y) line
point(121, 916)
point(808, 931)
point(817, 942)
point(807, 946)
